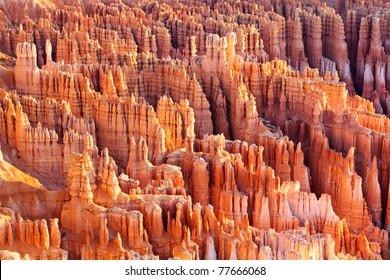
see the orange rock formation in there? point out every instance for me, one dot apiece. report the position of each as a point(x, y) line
point(194, 130)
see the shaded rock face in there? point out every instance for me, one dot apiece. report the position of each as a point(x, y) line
point(197, 130)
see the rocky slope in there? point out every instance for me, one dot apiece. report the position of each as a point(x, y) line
point(194, 129)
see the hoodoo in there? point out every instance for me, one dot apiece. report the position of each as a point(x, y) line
point(194, 129)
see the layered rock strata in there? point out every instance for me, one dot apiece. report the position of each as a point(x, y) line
point(195, 130)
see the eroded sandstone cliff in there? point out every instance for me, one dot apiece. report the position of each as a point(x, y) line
point(194, 129)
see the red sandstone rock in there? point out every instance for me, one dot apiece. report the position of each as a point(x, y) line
point(194, 131)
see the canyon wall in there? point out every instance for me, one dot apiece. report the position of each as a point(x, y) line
point(194, 130)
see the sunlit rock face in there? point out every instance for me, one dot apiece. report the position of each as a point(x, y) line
point(194, 130)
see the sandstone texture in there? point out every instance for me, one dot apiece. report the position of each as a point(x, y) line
point(233, 130)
